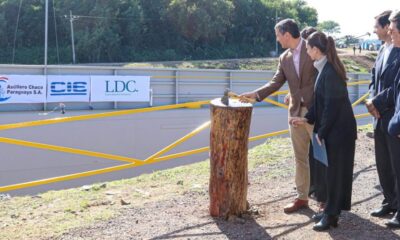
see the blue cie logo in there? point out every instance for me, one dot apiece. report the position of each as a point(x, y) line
point(68, 88)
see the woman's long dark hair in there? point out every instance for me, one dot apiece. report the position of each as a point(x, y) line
point(327, 46)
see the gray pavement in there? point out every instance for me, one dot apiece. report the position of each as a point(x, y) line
point(138, 136)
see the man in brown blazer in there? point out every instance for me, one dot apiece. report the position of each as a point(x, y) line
point(295, 67)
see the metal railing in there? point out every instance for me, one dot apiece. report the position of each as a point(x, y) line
point(168, 85)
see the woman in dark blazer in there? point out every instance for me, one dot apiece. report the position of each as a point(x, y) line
point(334, 125)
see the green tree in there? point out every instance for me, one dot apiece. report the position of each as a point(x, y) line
point(143, 30)
point(306, 15)
point(156, 30)
point(201, 20)
point(103, 28)
point(253, 22)
point(330, 27)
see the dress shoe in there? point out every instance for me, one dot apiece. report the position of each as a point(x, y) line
point(295, 205)
point(326, 222)
point(321, 206)
point(311, 192)
point(382, 211)
point(394, 222)
point(370, 134)
point(317, 217)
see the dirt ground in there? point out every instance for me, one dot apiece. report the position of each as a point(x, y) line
point(365, 59)
point(186, 216)
point(358, 62)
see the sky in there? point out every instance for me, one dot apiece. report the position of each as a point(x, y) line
point(355, 17)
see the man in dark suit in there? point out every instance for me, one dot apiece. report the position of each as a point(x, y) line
point(393, 129)
point(295, 67)
point(386, 149)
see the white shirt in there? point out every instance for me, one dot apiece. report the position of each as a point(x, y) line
point(296, 57)
point(386, 53)
point(319, 65)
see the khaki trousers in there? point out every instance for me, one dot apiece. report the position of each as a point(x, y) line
point(301, 137)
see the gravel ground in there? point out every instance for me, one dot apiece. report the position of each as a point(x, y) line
point(186, 216)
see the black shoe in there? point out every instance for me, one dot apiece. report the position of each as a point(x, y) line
point(311, 192)
point(317, 217)
point(370, 134)
point(326, 222)
point(394, 222)
point(382, 211)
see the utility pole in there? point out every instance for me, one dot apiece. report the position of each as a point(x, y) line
point(72, 18)
point(46, 38)
point(276, 40)
point(46, 32)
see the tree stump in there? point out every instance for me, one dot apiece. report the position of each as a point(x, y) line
point(230, 126)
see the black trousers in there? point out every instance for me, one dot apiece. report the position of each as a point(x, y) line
point(387, 155)
point(311, 162)
point(317, 178)
point(339, 175)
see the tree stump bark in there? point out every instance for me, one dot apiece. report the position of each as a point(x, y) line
point(230, 126)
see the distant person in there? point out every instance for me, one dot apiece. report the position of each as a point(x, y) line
point(359, 48)
point(295, 67)
point(334, 125)
point(354, 50)
point(382, 74)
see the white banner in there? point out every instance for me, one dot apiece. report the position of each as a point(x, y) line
point(68, 88)
point(22, 89)
point(120, 89)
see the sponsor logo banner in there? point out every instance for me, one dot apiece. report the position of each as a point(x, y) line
point(120, 88)
point(68, 88)
point(22, 89)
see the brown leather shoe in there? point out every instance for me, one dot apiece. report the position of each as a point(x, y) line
point(295, 205)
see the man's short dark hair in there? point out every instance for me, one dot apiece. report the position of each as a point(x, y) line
point(383, 18)
point(395, 17)
point(288, 25)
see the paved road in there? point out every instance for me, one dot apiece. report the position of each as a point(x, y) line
point(137, 136)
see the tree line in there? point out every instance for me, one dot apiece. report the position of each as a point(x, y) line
point(144, 30)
